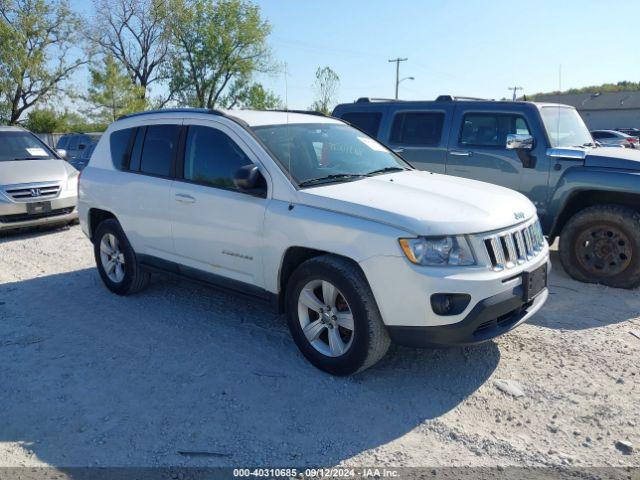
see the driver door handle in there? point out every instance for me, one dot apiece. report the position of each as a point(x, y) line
point(461, 153)
point(184, 198)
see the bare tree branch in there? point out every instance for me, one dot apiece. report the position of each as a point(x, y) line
point(137, 34)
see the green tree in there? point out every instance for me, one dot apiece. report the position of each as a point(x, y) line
point(326, 87)
point(258, 98)
point(253, 96)
point(44, 120)
point(217, 46)
point(112, 93)
point(36, 39)
point(75, 122)
point(48, 120)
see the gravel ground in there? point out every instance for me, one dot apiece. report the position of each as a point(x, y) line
point(89, 378)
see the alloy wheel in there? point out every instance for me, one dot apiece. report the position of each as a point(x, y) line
point(326, 318)
point(112, 258)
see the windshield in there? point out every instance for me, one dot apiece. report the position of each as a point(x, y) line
point(22, 146)
point(325, 152)
point(565, 127)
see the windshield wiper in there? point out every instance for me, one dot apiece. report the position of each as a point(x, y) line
point(31, 158)
point(386, 170)
point(329, 179)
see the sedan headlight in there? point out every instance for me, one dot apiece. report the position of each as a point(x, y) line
point(72, 181)
point(437, 251)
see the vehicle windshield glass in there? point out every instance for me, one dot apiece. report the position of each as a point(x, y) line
point(565, 127)
point(326, 152)
point(22, 146)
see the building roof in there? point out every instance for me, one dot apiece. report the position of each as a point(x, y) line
point(596, 101)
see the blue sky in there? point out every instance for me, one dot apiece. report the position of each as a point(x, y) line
point(475, 48)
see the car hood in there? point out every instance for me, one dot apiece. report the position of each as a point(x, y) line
point(608, 157)
point(34, 171)
point(424, 203)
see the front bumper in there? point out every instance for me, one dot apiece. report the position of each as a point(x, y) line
point(489, 319)
point(13, 215)
point(403, 290)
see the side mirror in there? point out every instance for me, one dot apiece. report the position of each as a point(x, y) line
point(250, 180)
point(517, 141)
point(62, 152)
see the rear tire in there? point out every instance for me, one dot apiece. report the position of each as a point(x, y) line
point(333, 316)
point(601, 244)
point(116, 261)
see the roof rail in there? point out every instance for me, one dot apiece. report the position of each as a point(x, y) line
point(306, 112)
point(209, 111)
point(451, 98)
point(372, 100)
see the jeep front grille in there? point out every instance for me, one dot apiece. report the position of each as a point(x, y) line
point(515, 246)
point(36, 191)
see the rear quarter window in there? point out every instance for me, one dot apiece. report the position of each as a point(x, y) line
point(119, 144)
point(368, 122)
point(62, 143)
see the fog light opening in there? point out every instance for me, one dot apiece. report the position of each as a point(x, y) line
point(445, 304)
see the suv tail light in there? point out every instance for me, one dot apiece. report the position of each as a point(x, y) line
point(78, 192)
point(632, 140)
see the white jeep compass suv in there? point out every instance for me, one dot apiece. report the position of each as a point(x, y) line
point(314, 216)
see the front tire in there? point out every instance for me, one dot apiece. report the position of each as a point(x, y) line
point(601, 244)
point(116, 261)
point(333, 316)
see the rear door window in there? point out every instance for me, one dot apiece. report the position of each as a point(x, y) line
point(159, 149)
point(368, 122)
point(417, 128)
point(491, 129)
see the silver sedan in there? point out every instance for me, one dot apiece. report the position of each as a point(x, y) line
point(612, 138)
point(36, 185)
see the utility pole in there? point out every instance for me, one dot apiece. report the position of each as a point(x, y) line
point(560, 78)
point(515, 89)
point(397, 62)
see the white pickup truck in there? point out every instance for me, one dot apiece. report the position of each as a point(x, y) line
point(318, 219)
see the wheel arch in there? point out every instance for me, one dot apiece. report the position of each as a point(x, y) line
point(292, 259)
point(97, 216)
point(580, 200)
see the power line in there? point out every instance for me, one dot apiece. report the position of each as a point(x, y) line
point(397, 62)
point(515, 89)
